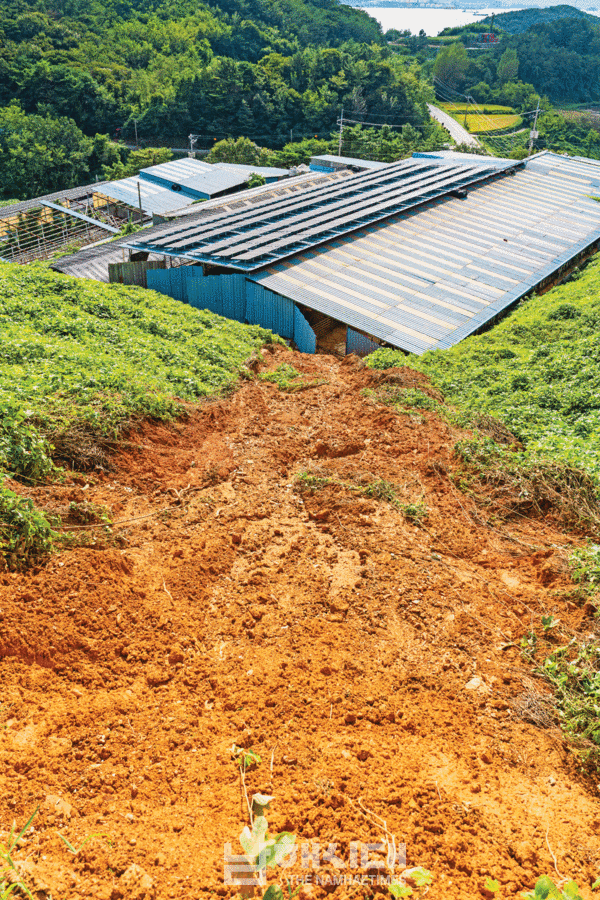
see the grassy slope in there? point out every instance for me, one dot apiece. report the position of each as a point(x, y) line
point(78, 354)
point(538, 371)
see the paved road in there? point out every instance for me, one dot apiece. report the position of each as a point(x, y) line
point(456, 131)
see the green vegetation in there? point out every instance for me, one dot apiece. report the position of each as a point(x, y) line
point(289, 380)
point(79, 361)
point(261, 851)
point(585, 566)
point(538, 371)
point(521, 20)
point(26, 534)
point(410, 880)
point(10, 880)
point(156, 72)
point(416, 513)
point(40, 154)
point(545, 889)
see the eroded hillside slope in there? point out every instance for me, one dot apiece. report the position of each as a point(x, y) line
point(269, 588)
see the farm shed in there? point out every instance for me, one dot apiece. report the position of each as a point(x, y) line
point(417, 255)
point(172, 185)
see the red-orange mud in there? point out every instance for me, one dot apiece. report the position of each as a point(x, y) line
point(363, 657)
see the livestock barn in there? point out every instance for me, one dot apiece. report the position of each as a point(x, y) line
point(416, 254)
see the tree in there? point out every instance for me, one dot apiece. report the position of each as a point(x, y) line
point(39, 154)
point(242, 150)
point(451, 65)
point(508, 66)
point(136, 160)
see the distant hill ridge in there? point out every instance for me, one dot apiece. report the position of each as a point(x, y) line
point(522, 20)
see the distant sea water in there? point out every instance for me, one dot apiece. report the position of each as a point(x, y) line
point(432, 19)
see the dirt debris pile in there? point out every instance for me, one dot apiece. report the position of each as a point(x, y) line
point(269, 589)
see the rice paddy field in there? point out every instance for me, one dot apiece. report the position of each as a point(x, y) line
point(491, 118)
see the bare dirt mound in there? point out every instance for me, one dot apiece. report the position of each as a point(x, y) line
point(295, 573)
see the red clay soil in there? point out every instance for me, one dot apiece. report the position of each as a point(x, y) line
point(371, 662)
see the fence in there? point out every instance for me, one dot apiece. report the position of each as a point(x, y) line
point(236, 298)
point(359, 343)
point(132, 272)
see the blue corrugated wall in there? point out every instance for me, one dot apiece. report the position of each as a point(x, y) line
point(173, 281)
point(304, 337)
point(359, 343)
point(236, 298)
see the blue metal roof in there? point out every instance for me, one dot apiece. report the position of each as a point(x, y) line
point(431, 276)
point(280, 227)
point(175, 184)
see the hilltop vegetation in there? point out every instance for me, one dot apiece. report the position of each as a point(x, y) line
point(558, 58)
point(538, 371)
point(519, 21)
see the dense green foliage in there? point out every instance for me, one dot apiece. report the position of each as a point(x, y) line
point(77, 355)
point(42, 154)
point(252, 68)
point(520, 20)
point(538, 371)
point(557, 57)
point(268, 70)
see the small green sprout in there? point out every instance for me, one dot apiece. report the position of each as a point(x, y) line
point(76, 850)
point(545, 889)
point(411, 878)
point(549, 622)
point(8, 869)
point(246, 758)
point(492, 885)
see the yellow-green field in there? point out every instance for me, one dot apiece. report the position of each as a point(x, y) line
point(456, 109)
point(481, 124)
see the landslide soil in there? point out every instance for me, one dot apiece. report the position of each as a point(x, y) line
point(373, 663)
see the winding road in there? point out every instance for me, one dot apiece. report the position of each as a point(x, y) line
point(458, 134)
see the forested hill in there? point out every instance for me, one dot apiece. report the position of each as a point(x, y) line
point(253, 67)
point(521, 20)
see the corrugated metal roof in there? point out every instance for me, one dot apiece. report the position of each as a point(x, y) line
point(275, 229)
point(93, 262)
point(265, 171)
point(431, 277)
point(329, 161)
point(176, 170)
point(173, 185)
point(252, 196)
point(154, 198)
point(194, 178)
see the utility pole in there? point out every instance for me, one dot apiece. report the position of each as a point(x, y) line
point(341, 129)
point(140, 202)
point(137, 146)
point(533, 134)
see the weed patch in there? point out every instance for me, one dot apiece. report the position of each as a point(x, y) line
point(26, 533)
point(288, 379)
point(10, 880)
point(516, 483)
